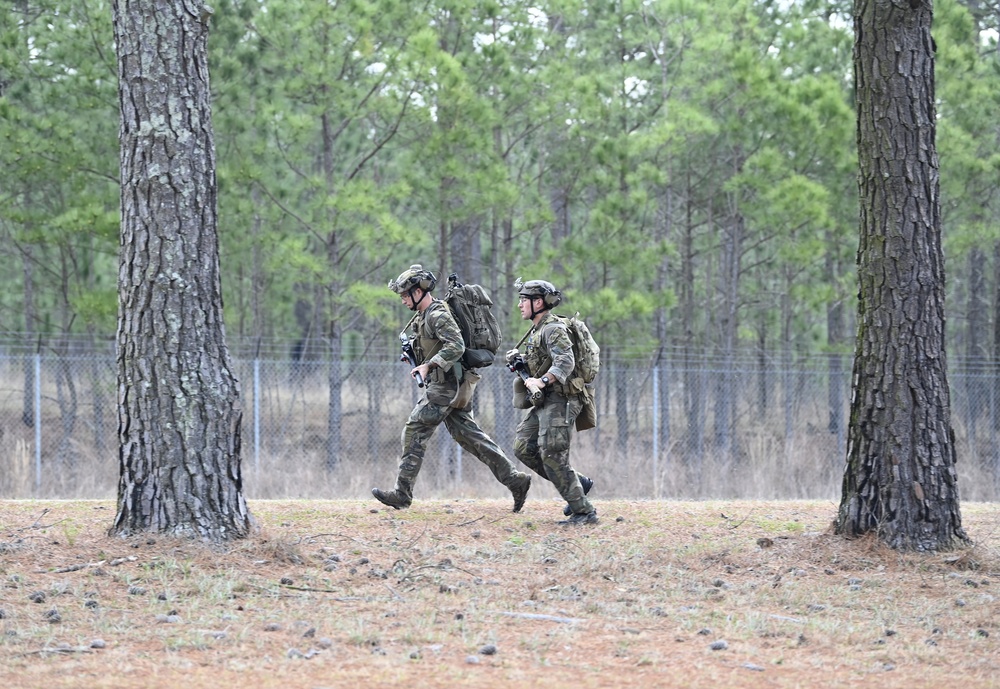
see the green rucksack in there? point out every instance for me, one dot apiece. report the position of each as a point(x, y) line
point(588, 362)
point(585, 349)
point(472, 307)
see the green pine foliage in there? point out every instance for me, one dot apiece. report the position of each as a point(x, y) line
point(661, 162)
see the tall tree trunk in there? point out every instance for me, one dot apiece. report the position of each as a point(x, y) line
point(790, 399)
point(502, 392)
point(763, 375)
point(98, 391)
point(900, 481)
point(500, 227)
point(559, 202)
point(729, 279)
point(835, 363)
point(977, 319)
point(444, 236)
point(623, 372)
point(30, 326)
point(693, 388)
point(663, 358)
point(66, 395)
point(68, 403)
point(466, 253)
point(178, 397)
point(995, 373)
point(328, 310)
point(335, 407)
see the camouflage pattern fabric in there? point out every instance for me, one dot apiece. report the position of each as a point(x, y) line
point(438, 335)
point(439, 341)
point(542, 443)
point(542, 438)
point(549, 348)
point(464, 428)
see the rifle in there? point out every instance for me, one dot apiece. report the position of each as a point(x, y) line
point(515, 362)
point(408, 356)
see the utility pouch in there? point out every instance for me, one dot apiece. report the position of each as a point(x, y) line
point(520, 394)
point(477, 358)
point(587, 418)
point(466, 389)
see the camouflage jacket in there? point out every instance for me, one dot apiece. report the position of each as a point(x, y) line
point(438, 340)
point(549, 349)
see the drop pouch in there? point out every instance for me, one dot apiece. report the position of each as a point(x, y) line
point(587, 418)
point(466, 389)
point(520, 394)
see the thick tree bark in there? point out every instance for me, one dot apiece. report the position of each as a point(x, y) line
point(900, 481)
point(179, 405)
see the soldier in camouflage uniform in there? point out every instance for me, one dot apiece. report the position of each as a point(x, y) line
point(438, 346)
point(543, 436)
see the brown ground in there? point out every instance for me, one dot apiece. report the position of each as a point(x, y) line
point(466, 594)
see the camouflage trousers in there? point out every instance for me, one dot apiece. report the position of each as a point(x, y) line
point(464, 428)
point(542, 444)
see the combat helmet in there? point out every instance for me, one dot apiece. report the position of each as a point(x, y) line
point(414, 276)
point(539, 288)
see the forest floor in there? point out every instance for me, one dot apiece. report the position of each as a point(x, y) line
point(463, 593)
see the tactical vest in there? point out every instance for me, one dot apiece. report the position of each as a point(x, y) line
point(538, 360)
point(425, 346)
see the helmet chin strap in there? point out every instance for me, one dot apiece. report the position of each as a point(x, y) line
point(413, 301)
point(535, 313)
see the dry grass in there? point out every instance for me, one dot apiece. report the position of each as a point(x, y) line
point(464, 593)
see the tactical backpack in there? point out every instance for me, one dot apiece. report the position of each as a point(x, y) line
point(585, 349)
point(587, 356)
point(472, 307)
point(587, 362)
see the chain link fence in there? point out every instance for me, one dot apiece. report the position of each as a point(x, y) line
point(741, 428)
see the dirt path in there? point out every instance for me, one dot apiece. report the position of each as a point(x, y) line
point(465, 594)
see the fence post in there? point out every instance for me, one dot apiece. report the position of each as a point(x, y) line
point(256, 414)
point(38, 423)
point(656, 431)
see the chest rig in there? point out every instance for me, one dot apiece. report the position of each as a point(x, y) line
point(535, 355)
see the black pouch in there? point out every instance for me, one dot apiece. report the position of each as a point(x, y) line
point(477, 358)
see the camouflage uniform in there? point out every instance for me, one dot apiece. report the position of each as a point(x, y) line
point(439, 341)
point(543, 437)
